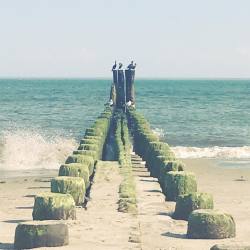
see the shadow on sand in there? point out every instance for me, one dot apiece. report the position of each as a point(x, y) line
point(6, 246)
point(31, 207)
point(37, 187)
point(174, 235)
point(148, 180)
point(14, 221)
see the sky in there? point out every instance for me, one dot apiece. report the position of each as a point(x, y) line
point(167, 38)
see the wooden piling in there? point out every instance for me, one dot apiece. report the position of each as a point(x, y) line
point(130, 91)
point(120, 91)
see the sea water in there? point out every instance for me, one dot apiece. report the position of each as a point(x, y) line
point(42, 120)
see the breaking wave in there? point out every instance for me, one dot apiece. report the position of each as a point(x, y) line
point(31, 150)
point(213, 152)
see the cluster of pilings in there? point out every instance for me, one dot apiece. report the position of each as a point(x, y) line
point(122, 91)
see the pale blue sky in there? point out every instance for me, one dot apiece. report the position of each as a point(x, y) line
point(78, 38)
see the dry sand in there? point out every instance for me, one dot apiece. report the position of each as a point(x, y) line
point(102, 227)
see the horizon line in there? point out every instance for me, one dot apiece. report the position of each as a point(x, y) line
point(110, 78)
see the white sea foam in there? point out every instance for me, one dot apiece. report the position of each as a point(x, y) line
point(159, 132)
point(32, 150)
point(213, 152)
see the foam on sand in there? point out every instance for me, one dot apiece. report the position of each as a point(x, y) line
point(212, 152)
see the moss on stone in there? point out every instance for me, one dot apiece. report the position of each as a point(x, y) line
point(178, 183)
point(74, 186)
point(54, 206)
point(93, 147)
point(210, 224)
point(187, 203)
point(92, 153)
point(35, 234)
point(76, 170)
point(89, 141)
point(94, 132)
point(127, 205)
point(85, 159)
point(166, 166)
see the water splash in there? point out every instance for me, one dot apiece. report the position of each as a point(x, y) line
point(24, 149)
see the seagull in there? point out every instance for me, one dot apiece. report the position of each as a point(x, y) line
point(114, 66)
point(130, 66)
point(120, 65)
point(133, 66)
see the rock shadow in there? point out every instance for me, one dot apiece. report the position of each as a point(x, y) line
point(170, 214)
point(31, 207)
point(175, 235)
point(153, 191)
point(30, 196)
point(14, 221)
point(6, 246)
point(146, 180)
point(37, 187)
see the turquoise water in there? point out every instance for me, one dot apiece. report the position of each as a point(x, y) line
point(199, 118)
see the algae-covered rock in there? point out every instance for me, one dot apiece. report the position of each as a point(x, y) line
point(187, 203)
point(156, 163)
point(75, 170)
point(54, 206)
point(178, 183)
point(93, 132)
point(210, 224)
point(69, 185)
point(33, 234)
point(92, 140)
point(88, 160)
point(167, 166)
point(231, 246)
point(93, 147)
point(92, 153)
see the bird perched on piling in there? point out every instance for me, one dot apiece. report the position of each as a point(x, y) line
point(114, 66)
point(130, 66)
point(120, 65)
point(133, 66)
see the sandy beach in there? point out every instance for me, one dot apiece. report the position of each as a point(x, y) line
point(102, 227)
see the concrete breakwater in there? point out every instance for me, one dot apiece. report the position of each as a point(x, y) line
point(115, 134)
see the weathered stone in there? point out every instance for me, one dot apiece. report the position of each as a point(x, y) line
point(93, 147)
point(54, 206)
point(187, 203)
point(210, 224)
point(74, 186)
point(93, 132)
point(178, 183)
point(167, 166)
point(35, 234)
point(76, 170)
point(92, 140)
point(85, 159)
point(92, 153)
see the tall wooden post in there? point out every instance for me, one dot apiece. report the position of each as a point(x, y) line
point(120, 92)
point(130, 90)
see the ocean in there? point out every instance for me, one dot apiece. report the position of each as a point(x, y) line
point(42, 120)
